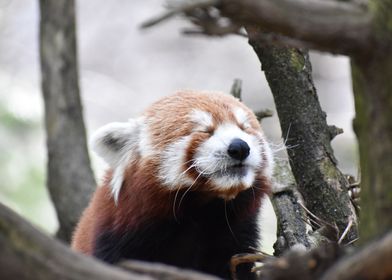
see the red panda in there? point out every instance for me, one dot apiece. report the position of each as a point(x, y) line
point(184, 186)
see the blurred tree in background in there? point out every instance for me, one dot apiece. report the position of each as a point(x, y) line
point(22, 171)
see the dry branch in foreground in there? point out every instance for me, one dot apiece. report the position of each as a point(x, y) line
point(28, 254)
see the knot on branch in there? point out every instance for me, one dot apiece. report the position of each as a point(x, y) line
point(334, 131)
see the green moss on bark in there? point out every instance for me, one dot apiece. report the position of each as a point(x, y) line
point(303, 123)
point(297, 60)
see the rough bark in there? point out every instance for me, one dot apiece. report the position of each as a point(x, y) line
point(28, 254)
point(335, 26)
point(365, 34)
point(300, 264)
point(371, 262)
point(303, 123)
point(373, 126)
point(69, 176)
point(372, 86)
point(291, 218)
point(164, 272)
point(331, 262)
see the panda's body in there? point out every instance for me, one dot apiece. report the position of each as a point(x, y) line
point(184, 187)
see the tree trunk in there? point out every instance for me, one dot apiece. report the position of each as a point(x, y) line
point(304, 127)
point(69, 176)
point(373, 102)
point(372, 83)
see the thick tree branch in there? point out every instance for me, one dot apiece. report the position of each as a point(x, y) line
point(371, 262)
point(330, 262)
point(300, 264)
point(291, 218)
point(69, 176)
point(321, 184)
point(162, 272)
point(28, 254)
point(335, 26)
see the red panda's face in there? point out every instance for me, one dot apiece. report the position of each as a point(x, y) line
point(196, 141)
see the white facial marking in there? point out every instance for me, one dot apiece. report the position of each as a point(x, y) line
point(213, 160)
point(202, 119)
point(227, 182)
point(171, 169)
point(269, 164)
point(241, 117)
point(145, 147)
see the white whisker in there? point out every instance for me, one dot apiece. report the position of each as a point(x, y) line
point(228, 224)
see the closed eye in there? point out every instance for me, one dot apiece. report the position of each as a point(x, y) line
point(208, 131)
point(204, 129)
point(244, 126)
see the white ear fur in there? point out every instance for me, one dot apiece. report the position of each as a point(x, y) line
point(117, 144)
point(112, 140)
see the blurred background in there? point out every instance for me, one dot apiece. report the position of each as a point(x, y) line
point(122, 70)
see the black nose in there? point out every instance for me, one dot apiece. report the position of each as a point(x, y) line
point(238, 149)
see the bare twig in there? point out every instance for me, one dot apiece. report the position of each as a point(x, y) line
point(321, 221)
point(238, 259)
point(267, 113)
point(178, 10)
point(215, 31)
point(334, 131)
point(236, 89)
point(349, 225)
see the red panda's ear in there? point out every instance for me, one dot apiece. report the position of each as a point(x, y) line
point(115, 140)
point(117, 143)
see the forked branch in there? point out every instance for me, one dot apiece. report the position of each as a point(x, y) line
point(335, 26)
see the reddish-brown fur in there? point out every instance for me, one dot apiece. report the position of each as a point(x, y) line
point(172, 120)
point(142, 196)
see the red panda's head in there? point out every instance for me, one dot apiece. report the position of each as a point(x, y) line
point(191, 140)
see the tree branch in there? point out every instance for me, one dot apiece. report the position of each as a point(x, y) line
point(323, 187)
point(28, 254)
point(335, 26)
point(162, 272)
point(180, 9)
point(343, 27)
point(69, 176)
point(291, 218)
point(371, 262)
